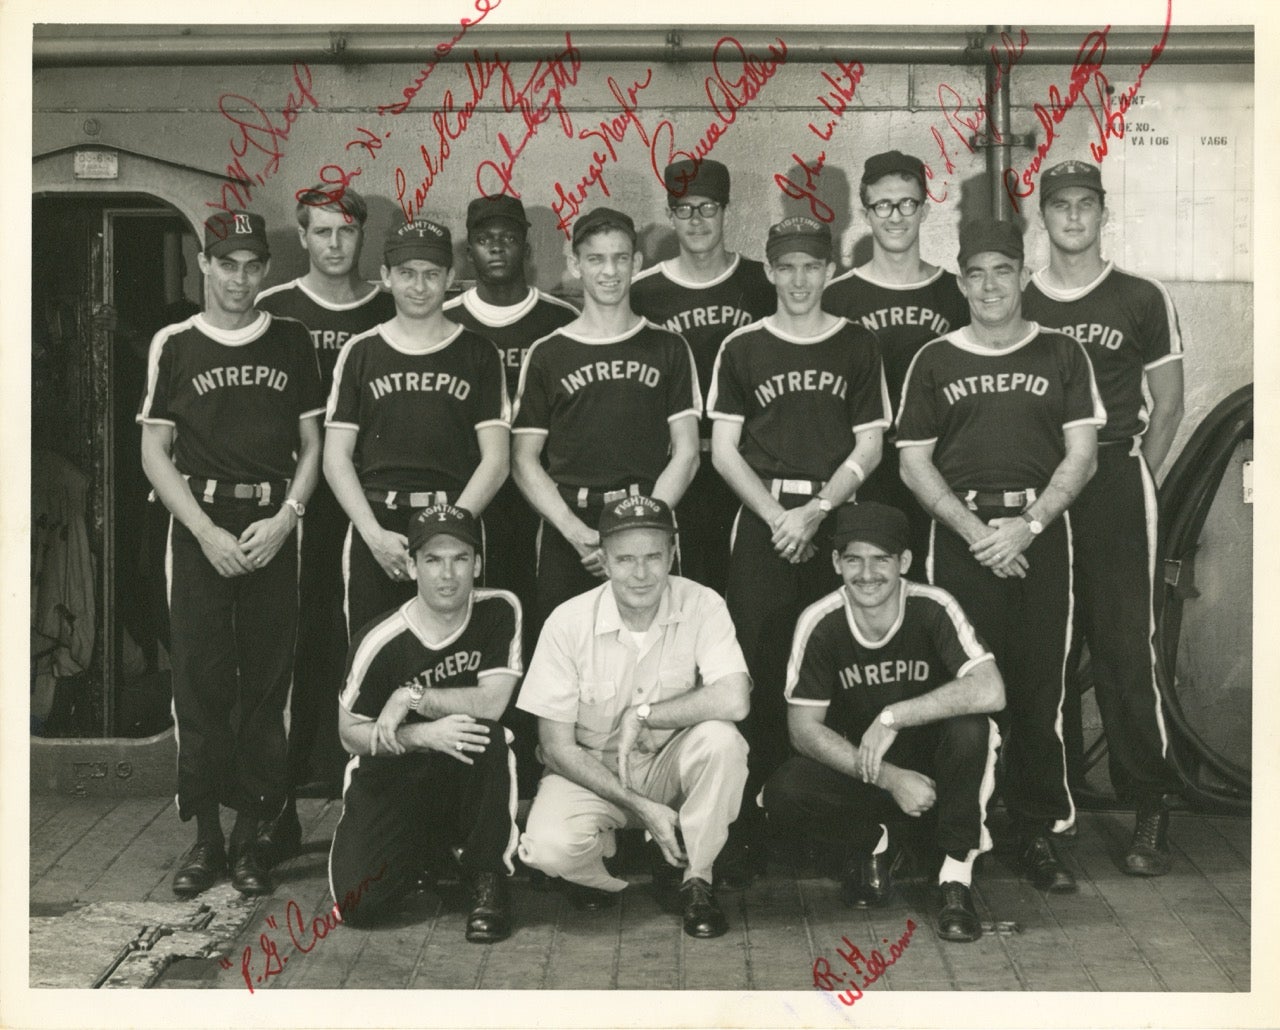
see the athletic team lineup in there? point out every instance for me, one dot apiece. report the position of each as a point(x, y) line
point(740, 553)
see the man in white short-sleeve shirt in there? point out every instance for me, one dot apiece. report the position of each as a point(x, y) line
point(637, 685)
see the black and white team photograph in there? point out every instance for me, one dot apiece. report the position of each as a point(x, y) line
point(529, 504)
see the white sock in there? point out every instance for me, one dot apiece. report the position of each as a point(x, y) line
point(955, 871)
point(883, 846)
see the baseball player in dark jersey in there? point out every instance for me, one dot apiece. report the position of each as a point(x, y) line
point(704, 293)
point(612, 400)
point(231, 443)
point(432, 773)
point(998, 434)
point(888, 689)
point(418, 415)
point(1128, 326)
point(901, 298)
point(505, 309)
point(334, 303)
point(800, 407)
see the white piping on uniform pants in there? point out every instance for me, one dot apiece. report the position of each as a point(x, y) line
point(346, 579)
point(168, 600)
point(1064, 824)
point(985, 791)
point(1150, 511)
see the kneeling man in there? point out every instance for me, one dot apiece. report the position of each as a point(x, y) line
point(888, 689)
point(637, 685)
point(432, 771)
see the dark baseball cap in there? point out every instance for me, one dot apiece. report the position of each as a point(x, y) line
point(989, 234)
point(892, 162)
point(689, 178)
point(443, 518)
point(229, 231)
point(484, 208)
point(636, 512)
point(799, 233)
point(420, 238)
point(873, 523)
point(1070, 173)
point(603, 219)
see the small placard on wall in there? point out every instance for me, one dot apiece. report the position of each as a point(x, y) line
point(97, 164)
point(1248, 482)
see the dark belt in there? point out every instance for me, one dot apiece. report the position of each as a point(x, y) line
point(584, 497)
point(219, 489)
point(407, 498)
point(975, 499)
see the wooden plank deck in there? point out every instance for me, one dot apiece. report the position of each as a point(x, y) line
point(1189, 931)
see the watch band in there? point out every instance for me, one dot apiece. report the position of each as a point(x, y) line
point(642, 712)
point(298, 507)
point(1034, 524)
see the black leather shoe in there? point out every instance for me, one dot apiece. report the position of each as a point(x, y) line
point(203, 866)
point(590, 899)
point(279, 839)
point(867, 880)
point(490, 916)
point(248, 875)
point(1045, 868)
point(957, 918)
point(1148, 853)
point(701, 916)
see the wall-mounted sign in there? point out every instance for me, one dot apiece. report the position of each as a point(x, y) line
point(97, 164)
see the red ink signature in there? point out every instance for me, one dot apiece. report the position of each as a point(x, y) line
point(797, 191)
point(493, 178)
point(258, 131)
point(304, 939)
point(954, 113)
point(869, 967)
point(737, 79)
point(607, 131)
point(408, 93)
point(836, 100)
point(1108, 115)
point(449, 123)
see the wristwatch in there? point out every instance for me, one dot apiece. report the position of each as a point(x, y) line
point(417, 691)
point(1033, 524)
point(642, 712)
point(886, 718)
point(825, 505)
point(298, 507)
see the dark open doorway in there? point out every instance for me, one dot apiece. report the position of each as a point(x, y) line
point(108, 271)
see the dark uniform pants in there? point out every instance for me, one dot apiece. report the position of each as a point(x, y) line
point(1114, 522)
point(315, 753)
point(706, 515)
point(807, 800)
point(233, 644)
point(766, 595)
point(410, 813)
point(1027, 625)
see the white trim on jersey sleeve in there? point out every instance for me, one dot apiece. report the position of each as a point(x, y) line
point(805, 625)
point(1099, 409)
point(687, 413)
point(529, 431)
point(967, 635)
point(712, 394)
point(515, 664)
point(906, 379)
point(1163, 361)
point(313, 413)
point(520, 383)
point(339, 367)
point(158, 342)
point(1170, 315)
point(915, 443)
point(967, 666)
point(693, 376)
point(371, 646)
point(493, 422)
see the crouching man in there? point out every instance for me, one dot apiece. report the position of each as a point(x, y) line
point(637, 685)
point(432, 773)
point(888, 689)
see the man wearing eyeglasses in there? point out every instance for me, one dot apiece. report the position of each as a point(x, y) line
point(704, 294)
point(903, 299)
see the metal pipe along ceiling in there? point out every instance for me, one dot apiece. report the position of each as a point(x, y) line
point(90, 46)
